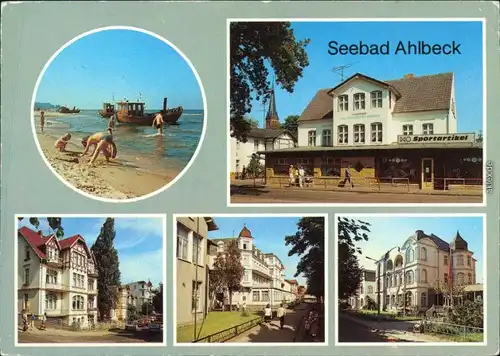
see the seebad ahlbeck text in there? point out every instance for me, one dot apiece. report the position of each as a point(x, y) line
point(419, 48)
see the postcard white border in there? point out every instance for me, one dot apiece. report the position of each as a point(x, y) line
point(410, 344)
point(249, 344)
point(361, 19)
point(163, 217)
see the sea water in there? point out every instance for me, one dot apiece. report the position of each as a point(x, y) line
point(139, 145)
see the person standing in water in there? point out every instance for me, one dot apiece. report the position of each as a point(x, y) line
point(158, 123)
point(42, 120)
point(111, 122)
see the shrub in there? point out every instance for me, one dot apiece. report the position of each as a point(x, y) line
point(468, 313)
point(245, 313)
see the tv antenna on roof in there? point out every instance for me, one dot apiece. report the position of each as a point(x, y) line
point(340, 70)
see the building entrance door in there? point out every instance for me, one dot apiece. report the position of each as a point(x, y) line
point(427, 173)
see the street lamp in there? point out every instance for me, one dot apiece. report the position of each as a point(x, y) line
point(378, 281)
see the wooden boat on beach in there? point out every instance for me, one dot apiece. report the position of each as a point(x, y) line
point(65, 110)
point(107, 111)
point(133, 113)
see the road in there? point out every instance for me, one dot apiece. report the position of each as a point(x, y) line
point(88, 337)
point(351, 331)
point(271, 195)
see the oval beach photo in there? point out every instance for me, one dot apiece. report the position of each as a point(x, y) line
point(118, 114)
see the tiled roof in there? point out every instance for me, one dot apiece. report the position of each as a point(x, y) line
point(245, 233)
point(258, 132)
point(425, 93)
point(37, 241)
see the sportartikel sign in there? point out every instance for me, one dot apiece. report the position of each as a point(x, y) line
point(444, 138)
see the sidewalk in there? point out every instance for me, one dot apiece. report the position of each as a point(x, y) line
point(272, 332)
point(357, 189)
point(398, 330)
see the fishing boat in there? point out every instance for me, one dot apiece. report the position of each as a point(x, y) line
point(107, 111)
point(133, 113)
point(65, 110)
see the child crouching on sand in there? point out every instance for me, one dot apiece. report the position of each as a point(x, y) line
point(107, 147)
point(62, 142)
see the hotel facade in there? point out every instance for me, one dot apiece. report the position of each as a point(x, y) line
point(387, 132)
point(264, 274)
point(367, 290)
point(56, 277)
point(260, 139)
point(417, 268)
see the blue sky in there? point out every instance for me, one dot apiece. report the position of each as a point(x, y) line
point(120, 62)
point(319, 74)
point(269, 236)
point(400, 228)
point(139, 242)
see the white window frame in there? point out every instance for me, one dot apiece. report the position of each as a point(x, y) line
point(343, 103)
point(343, 134)
point(50, 301)
point(327, 137)
point(376, 99)
point(256, 144)
point(197, 250)
point(428, 129)
point(182, 243)
point(27, 276)
point(359, 133)
point(376, 132)
point(51, 277)
point(282, 161)
point(359, 102)
point(311, 138)
point(408, 130)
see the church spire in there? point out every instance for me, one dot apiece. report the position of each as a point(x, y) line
point(272, 119)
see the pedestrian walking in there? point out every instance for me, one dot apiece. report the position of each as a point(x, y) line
point(268, 313)
point(291, 174)
point(33, 317)
point(281, 315)
point(347, 176)
point(301, 176)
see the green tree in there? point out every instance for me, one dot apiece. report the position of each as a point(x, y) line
point(469, 313)
point(228, 270)
point(255, 167)
point(479, 136)
point(108, 268)
point(158, 299)
point(291, 124)
point(54, 223)
point(350, 231)
point(131, 312)
point(370, 304)
point(254, 124)
point(252, 45)
point(147, 308)
point(309, 243)
point(216, 285)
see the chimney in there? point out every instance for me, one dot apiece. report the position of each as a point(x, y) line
point(409, 76)
point(164, 104)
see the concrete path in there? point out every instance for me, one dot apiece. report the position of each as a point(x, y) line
point(272, 332)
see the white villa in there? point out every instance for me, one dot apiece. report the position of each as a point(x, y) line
point(264, 279)
point(57, 277)
point(140, 292)
point(416, 267)
point(367, 289)
point(260, 139)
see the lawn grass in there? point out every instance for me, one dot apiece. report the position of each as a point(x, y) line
point(384, 315)
point(213, 323)
point(470, 337)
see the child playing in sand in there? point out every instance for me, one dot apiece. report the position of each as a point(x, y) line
point(62, 142)
point(158, 123)
point(106, 147)
point(93, 140)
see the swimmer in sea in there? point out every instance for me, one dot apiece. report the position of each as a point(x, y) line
point(105, 146)
point(93, 140)
point(158, 123)
point(62, 142)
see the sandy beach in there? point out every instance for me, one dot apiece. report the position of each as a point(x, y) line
point(52, 114)
point(118, 179)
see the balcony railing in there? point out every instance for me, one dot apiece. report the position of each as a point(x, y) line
point(54, 261)
point(56, 286)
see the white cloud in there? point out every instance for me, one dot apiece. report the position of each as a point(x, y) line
point(142, 266)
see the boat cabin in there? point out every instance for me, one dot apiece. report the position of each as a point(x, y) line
point(107, 107)
point(132, 109)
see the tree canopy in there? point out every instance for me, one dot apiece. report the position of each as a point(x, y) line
point(309, 244)
point(108, 268)
point(252, 46)
point(158, 299)
point(350, 273)
point(55, 224)
point(291, 124)
point(227, 270)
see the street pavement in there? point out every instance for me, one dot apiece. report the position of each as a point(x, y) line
point(58, 336)
point(352, 331)
point(273, 333)
point(275, 195)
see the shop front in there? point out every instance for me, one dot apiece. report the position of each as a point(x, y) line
point(420, 166)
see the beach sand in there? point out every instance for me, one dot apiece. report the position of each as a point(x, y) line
point(115, 180)
point(52, 114)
